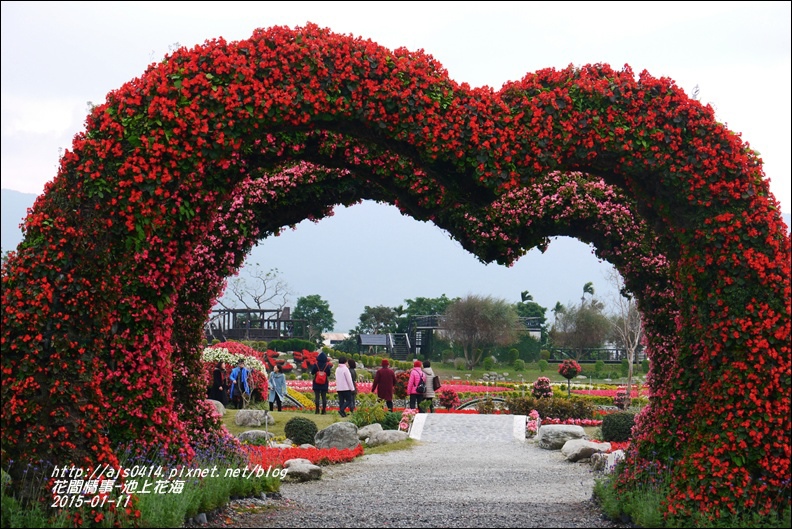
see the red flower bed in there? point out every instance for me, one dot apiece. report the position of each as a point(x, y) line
point(266, 456)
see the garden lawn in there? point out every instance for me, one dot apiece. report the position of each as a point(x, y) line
point(281, 418)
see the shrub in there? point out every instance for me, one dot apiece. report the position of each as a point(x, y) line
point(489, 363)
point(625, 367)
point(448, 398)
point(620, 400)
point(301, 430)
point(569, 369)
point(556, 407)
point(400, 389)
point(460, 364)
point(645, 365)
point(486, 406)
point(368, 410)
point(617, 427)
point(448, 356)
point(391, 421)
point(542, 388)
point(599, 367)
point(512, 356)
point(519, 365)
point(543, 365)
point(544, 354)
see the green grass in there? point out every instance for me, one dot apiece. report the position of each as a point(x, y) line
point(281, 418)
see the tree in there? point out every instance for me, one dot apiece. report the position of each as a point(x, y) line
point(626, 323)
point(580, 327)
point(316, 312)
point(376, 320)
point(476, 323)
point(422, 307)
point(256, 290)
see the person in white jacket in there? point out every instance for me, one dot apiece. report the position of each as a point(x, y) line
point(429, 393)
point(344, 387)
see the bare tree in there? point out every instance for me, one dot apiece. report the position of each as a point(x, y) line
point(626, 322)
point(476, 322)
point(580, 327)
point(257, 289)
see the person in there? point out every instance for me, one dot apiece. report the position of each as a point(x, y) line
point(277, 387)
point(353, 371)
point(239, 384)
point(416, 375)
point(429, 393)
point(219, 390)
point(384, 382)
point(344, 386)
point(320, 390)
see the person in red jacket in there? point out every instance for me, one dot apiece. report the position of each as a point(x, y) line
point(384, 382)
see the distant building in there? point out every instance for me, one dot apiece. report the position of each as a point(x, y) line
point(330, 339)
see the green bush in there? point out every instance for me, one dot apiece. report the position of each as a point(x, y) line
point(617, 426)
point(512, 356)
point(543, 365)
point(301, 430)
point(460, 364)
point(448, 356)
point(625, 367)
point(368, 411)
point(556, 407)
point(519, 365)
point(645, 365)
point(599, 367)
point(544, 354)
point(391, 421)
point(489, 363)
point(486, 406)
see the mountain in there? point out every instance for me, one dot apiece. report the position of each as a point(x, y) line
point(370, 254)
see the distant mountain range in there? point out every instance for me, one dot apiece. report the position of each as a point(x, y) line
point(370, 254)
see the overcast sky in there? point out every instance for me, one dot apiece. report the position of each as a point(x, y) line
point(58, 56)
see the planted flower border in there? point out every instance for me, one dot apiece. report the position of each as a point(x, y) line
point(183, 169)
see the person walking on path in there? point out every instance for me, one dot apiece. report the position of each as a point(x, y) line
point(321, 383)
point(277, 388)
point(344, 386)
point(429, 393)
point(353, 371)
point(384, 382)
point(416, 376)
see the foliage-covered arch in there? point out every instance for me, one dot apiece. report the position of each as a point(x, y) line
point(182, 169)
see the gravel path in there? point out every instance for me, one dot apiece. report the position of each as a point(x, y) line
point(465, 471)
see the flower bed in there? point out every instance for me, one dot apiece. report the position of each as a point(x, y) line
point(267, 456)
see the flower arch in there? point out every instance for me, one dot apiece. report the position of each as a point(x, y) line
point(181, 170)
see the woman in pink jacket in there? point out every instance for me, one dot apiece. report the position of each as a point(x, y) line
point(416, 376)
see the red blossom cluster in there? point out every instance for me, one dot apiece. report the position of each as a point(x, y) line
point(183, 169)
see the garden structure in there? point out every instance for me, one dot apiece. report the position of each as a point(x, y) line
point(183, 169)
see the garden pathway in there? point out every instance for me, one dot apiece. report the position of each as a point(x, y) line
point(465, 471)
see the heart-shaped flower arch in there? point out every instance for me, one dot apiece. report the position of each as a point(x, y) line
point(182, 170)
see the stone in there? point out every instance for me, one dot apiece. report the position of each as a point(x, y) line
point(553, 436)
point(385, 437)
point(577, 449)
point(369, 430)
point(302, 470)
point(253, 418)
point(255, 435)
point(218, 406)
point(339, 435)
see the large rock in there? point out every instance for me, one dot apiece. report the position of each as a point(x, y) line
point(577, 449)
point(339, 435)
point(554, 436)
point(255, 435)
point(369, 430)
point(386, 437)
point(606, 462)
point(218, 406)
point(301, 470)
point(253, 418)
